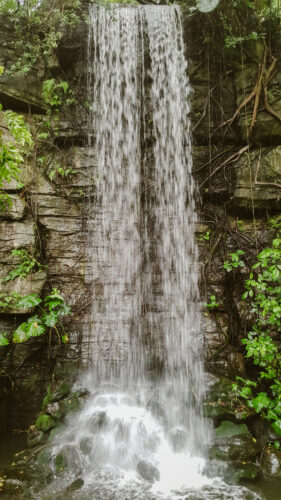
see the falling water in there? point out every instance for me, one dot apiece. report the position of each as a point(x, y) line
point(141, 434)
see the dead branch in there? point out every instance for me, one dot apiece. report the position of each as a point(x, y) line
point(231, 159)
point(258, 88)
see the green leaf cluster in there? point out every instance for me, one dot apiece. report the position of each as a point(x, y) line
point(212, 304)
point(50, 311)
point(56, 93)
point(38, 26)
point(263, 291)
point(27, 265)
point(235, 261)
point(12, 152)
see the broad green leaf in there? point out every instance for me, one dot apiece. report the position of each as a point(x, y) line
point(261, 401)
point(3, 339)
point(27, 330)
point(50, 319)
point(271, 415)
point(29, 301)
point(276, 426)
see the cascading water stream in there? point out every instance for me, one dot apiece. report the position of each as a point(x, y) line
point(141, 434)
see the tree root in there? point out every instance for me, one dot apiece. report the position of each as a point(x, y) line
point(231, 159)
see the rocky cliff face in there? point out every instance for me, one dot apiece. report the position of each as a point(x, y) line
point(49, 213)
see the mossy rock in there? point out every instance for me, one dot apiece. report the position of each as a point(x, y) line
point(11, 487)
point(34, 437)
point(53, 409)
point(246, 471)
point(76, 485)
point(45, 423)
point(229, 429)
point(56, 431)
point(61, 390)
point(70, 404)
point(271, 463)
point(60, 463)
point(233, 442)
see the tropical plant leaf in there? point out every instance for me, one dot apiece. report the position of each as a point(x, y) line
point(28, 301)
point(276, 426)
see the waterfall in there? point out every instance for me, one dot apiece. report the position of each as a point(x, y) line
point(141, 434)
point(141, 234)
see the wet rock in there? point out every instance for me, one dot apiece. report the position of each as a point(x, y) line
point(178, 438)
point(229, 430)
point(234, 442)
point(246, 471)
point(60, 463)
point(45, 423)
point(76, 485)
point(69, 404)
point(236, 363)
point(271, 463)
point(148, 471)
point(68, 458)
point(98, 421)
point(16, 210)
point(61, 390)
point(86, 445)
point(53, 409)
point(11, 487)
point(34, 436)
point(56, 431)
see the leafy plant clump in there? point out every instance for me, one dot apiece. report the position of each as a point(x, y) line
point(27, 265)
point(235, 262)
point(12, 151)
point(50, 311)
point(212, 304)
point(263, 291)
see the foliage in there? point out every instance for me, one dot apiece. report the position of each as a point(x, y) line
point(38, 26)
point(213, 304)
point(56, 93)
point(235, 262)
point(205, 236)
point(3, 339)
point(50, 311)
point(61, 171)
point(12, 152)
point(8, 300)
point(28, 264)
point(263, 289)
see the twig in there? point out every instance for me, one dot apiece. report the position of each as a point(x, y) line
point(258, 92)
point(236, 156)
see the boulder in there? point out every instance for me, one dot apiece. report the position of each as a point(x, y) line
point(234, 442)
point(148, 471)
point(271, 463)
point(34, 436)
point(264, 169)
